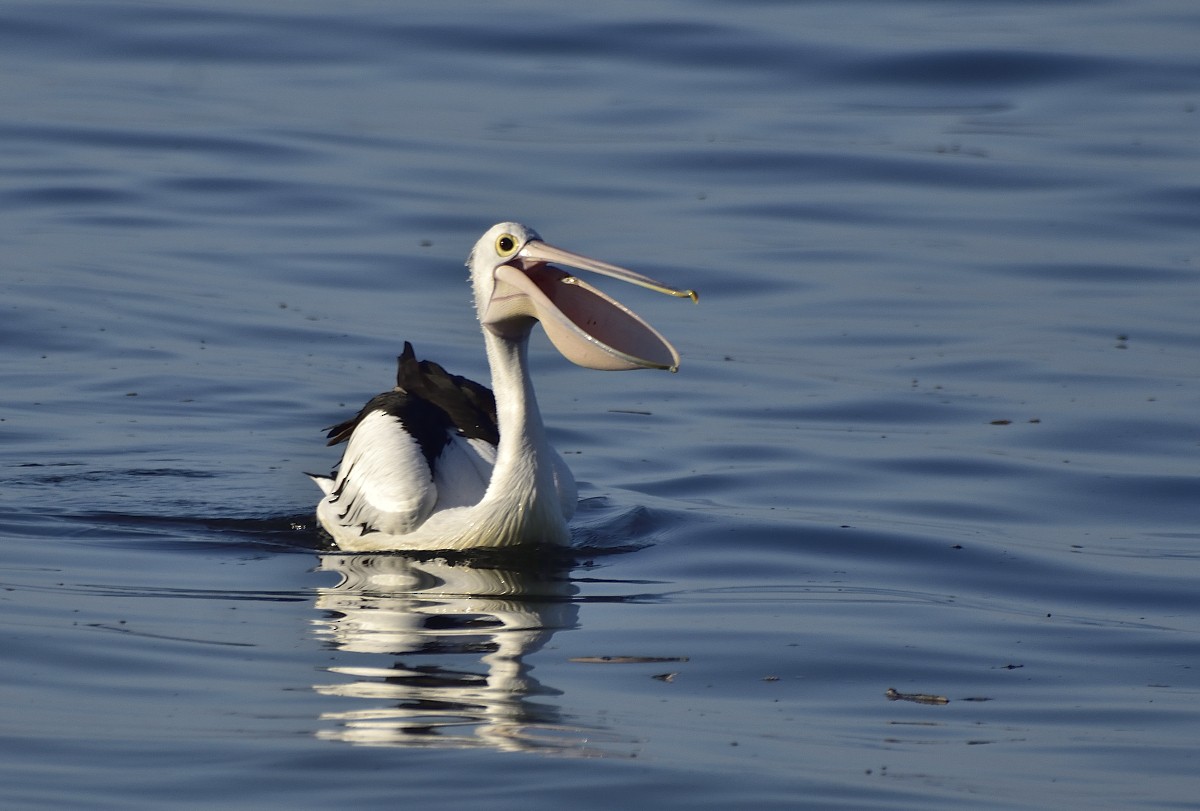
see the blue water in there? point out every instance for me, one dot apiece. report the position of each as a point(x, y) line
point(935, 430)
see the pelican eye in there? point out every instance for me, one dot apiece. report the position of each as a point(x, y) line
point(506, 245)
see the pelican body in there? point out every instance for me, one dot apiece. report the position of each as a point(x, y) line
point(440, 462)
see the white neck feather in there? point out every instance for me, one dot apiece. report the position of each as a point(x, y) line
point(521, 502)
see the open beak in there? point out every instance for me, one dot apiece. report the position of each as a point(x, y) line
point(584, 324)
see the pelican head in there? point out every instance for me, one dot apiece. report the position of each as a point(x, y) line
point(515, 285)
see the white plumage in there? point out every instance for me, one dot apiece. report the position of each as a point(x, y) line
point(440, 462)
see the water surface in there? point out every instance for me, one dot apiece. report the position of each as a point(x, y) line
point(934, 432)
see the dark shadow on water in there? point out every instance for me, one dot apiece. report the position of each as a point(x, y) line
point(279, 534)
point(600, 529)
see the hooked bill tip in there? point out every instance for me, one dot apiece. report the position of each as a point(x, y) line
point(671, 291)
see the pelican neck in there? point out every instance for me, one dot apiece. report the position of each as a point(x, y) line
point(524, 469)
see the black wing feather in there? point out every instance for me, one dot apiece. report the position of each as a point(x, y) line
point(470, 407)
point(432, 403)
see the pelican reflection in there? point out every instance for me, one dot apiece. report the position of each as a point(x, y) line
point(443, 650)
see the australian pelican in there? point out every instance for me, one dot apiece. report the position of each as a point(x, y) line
point(440, 462)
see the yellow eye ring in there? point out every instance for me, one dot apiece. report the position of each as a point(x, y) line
point(506, 245)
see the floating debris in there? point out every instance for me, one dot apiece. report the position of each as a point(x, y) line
point(919, 698)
